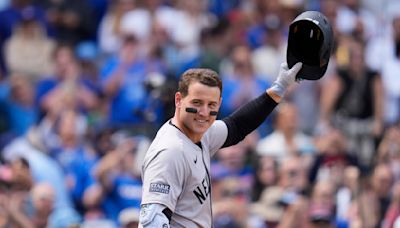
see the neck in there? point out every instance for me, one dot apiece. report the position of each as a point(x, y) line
point(69, 142)
point(288, 134)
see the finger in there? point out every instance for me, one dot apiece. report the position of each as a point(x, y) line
point(284, 66)
point(296, 68)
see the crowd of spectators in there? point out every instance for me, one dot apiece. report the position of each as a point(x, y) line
point(85, 84)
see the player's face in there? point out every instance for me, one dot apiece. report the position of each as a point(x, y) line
point(204, 99)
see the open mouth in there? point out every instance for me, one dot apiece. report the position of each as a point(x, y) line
point(201, 121)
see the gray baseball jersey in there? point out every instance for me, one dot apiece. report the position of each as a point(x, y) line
point(176, 173)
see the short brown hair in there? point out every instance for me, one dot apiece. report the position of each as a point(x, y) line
point(204, 76)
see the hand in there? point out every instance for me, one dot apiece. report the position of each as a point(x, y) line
point(285, 78)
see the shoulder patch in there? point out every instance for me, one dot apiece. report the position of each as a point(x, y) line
point(159, 187)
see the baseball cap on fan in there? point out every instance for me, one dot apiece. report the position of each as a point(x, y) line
point(310, 41)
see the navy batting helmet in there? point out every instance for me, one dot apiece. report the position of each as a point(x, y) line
point(310, 42)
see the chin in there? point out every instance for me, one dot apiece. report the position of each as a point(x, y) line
point(201, 129)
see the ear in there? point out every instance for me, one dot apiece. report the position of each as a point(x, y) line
point(178, 99)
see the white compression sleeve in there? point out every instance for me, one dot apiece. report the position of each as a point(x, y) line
point(152, 216)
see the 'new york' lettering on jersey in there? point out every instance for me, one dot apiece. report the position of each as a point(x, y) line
point(203, 190)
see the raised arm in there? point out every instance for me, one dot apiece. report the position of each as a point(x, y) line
point(248, 117)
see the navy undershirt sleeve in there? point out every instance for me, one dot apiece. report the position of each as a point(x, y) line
point(247, 118)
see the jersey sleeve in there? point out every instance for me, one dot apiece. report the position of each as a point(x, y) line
point(163, 178)
point(216, 136)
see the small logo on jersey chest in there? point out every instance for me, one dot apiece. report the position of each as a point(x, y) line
point(195, 160)
point(159, 187)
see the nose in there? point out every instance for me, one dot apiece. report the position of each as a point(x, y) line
point(203, 110)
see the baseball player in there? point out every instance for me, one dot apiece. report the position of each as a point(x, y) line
point(176, 168)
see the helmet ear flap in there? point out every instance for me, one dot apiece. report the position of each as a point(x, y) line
point(310, 41)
